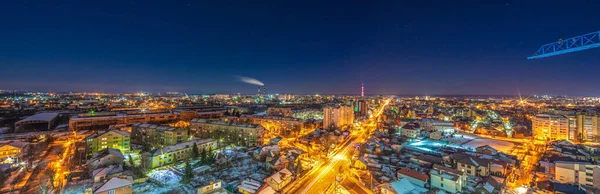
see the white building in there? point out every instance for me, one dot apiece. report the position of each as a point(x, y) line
point(410, 130)
point(582, 173)
point(337, 116)
point(446, 127)
point(447, 179)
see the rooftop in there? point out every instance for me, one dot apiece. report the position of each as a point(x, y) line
point(168, 149)
point(41, 117)
point(216, 122)
point(413, 174)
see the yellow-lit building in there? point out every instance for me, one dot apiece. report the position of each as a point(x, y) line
point(243, 133)
point(550, 127)
point(276, 125)
point(179, 152)
point(587, 127)
point(105, 120)
point(158, 135)
point(279, 111)
point(10, 152)
point(116, 139)
point(337, 116)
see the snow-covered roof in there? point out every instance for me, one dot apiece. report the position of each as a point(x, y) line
point(18, 144)
point(250, 185)
point(214, 122)
point(404, 186)
point(108, 170)
point(168, 149)
point(106, 152)
point(282, 174)
point(267, 190)
point(113, 184)
point(46, 117)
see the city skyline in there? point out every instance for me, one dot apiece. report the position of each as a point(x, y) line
point(444, 48)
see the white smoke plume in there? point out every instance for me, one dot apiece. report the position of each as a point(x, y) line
point(250, 80)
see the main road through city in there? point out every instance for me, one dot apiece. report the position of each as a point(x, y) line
point(322, 176)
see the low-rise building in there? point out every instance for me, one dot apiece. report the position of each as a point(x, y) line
point(242, 133)
point(115, 139)
point(277, 125)
point(158, 135)
point(447, 179)
point(280, 179)
point(106, 157)
point(171, 154)
point(212, 188)
point(413, 177)
point(116, 185)
point(101, 121)
point(473, 166)
point(250, 186)
point(41, 121)
point(401, 186)
point(10, 152)
point(280, 111)
point(410, 130)
point(582, 173)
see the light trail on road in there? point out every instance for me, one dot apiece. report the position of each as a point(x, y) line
point(335, 162)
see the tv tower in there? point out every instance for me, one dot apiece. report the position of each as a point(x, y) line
point(362, 90)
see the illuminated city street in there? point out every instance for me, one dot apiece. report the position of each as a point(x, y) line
point(300, 97)
point(323, 176)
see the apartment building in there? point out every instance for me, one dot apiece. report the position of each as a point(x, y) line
point(115, 139)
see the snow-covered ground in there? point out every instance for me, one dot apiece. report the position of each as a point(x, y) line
point(466, 141)
point(165, 176)
point(502, 146)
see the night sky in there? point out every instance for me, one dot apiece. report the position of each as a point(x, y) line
point(304, 47)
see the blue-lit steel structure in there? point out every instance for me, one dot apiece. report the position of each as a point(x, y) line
point(583, 42)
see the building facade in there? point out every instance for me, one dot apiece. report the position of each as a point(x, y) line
point(337, 116)
point(102, 121)
point(115, 139)
point(550, 127)
point(447, 179)
point(277, 125)
point(179, 152)
point(241, 133)
point(11, 152)
point(158, 135)
point(279, 111)
point(582, 173)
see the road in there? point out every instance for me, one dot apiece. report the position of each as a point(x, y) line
point(324, 175)
point(45, 164)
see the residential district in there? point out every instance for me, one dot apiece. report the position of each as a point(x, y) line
point(283, 143)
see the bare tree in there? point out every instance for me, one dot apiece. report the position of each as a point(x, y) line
point(45, 186)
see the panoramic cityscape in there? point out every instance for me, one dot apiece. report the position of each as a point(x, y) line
point(352, 97)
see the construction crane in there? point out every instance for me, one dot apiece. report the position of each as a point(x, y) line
point(578, 43)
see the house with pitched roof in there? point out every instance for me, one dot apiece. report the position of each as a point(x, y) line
point(413, 177)
point(116, 185)
point(447, 179)
point(280, 179)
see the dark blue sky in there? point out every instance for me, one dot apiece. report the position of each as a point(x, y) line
point(394, 47)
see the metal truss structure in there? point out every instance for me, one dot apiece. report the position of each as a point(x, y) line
point(578, 43)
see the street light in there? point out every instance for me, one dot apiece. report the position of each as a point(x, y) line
point(370, 186)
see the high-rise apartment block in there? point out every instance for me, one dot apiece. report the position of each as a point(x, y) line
point(335, 116)
point(550, 127)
